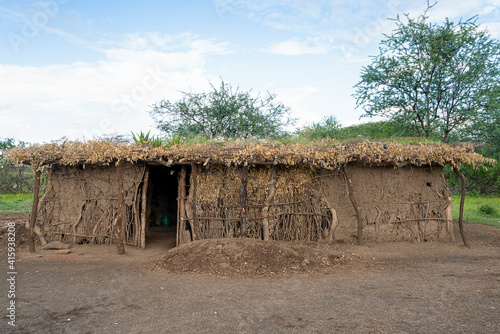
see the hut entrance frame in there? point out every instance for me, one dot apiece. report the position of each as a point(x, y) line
point(166, 201)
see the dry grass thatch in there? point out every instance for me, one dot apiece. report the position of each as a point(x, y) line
point(319, 155)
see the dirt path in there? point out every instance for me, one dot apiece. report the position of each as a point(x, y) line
point(386, 288)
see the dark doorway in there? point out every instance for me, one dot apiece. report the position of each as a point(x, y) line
point(162, 201)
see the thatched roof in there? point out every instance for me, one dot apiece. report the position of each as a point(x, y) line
point(320, 155)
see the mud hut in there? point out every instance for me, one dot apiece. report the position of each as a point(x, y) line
point(102, 192)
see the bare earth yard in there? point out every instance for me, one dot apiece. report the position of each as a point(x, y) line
point(375, 288)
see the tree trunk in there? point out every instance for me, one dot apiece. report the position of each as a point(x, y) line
point(34, 211)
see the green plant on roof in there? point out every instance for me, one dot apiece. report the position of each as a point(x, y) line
point(147, 138)
point(175, 139)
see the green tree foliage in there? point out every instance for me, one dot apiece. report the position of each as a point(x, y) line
point(485, 131)
point(432, 78)
point(5, 145)
point(13, 179)
point(223, 112)
point(327, 128)
point(330, 127)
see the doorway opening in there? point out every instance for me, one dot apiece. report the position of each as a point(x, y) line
point(162, 206)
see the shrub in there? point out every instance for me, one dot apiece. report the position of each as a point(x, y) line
point(488, 210)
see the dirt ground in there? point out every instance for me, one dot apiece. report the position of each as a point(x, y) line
point(375, 288)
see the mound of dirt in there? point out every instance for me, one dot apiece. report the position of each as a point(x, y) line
point(250, 257)
point(21, 234)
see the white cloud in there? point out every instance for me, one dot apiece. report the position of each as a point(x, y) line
point(493, 28)
point(296, 47)
point(111, 95)
point(320, 26)
point(299, 101)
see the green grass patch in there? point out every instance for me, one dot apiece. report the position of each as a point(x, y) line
point(16, 203)
point(478, 209)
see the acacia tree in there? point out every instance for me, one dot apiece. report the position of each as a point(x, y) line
point(223, 112)
point(432, 78)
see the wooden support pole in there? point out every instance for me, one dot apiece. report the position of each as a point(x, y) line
point(48, 191)
point(462, 202)
point(78, 220)
point(243, 200)
point(449, 219)
point(181, 205)
point(144, 207)
point(194, 224)
point(135, 208)
point(34, 211)
point(118, 228)
point(269, 199)
point(355, 205)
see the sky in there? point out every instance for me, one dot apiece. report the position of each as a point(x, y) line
point(86, 69)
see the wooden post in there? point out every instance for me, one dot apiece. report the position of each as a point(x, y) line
point(355, 205)
point(462, 202)
point(243, 200)
point(181, 205)
point(449, 219)
point(121, 207)
point(269, 199)
point(48, 191)
point(194, 225)
point(34, 211)
point(148, 209)
point(78, 220)
point(144, 207)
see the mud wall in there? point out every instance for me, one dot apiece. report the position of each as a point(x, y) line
point(83, 203)
point(396, 204)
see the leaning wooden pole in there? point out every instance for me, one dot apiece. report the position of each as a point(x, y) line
point(119, 220)
point(355, 205)
point(144, 206)
point(48, 191)
point(243, 201)
point(34, 211)
point(462, 202)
